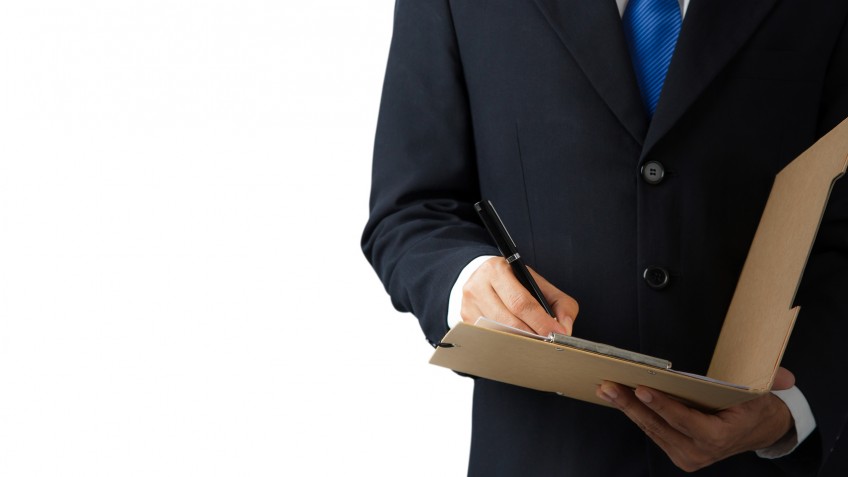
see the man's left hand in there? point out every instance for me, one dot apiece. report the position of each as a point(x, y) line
point(692, 439)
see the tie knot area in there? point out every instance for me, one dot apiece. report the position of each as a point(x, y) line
point(651, 28)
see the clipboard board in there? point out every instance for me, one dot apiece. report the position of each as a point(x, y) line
point(753, 337)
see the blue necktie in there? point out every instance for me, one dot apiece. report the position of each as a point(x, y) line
point(651, 28)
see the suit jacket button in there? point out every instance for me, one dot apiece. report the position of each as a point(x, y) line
point(656, 277)
point(653, 172)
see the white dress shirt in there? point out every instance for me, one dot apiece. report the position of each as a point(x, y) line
point(798, 406)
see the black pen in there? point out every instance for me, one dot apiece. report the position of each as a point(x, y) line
point(508, 249)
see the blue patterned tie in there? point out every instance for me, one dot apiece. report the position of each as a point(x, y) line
point(651, 28)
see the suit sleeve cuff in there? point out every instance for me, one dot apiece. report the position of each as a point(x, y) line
point(805, 423)
point(455, 299)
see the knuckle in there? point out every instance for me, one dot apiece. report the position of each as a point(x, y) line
point(497, 265)
point(486, 269)
point(657, 406)
point(467, 312)
point(627, 407)
point(518, 303)
point(720, 444)
point(575, 305)
point(469, 290)
point(650, 427)
point(567, 305)
point(717, 438)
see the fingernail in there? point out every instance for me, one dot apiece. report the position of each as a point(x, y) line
point(600, 394)
point(609, 391)
point(643, 395)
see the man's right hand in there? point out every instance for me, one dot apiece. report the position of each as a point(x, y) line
point(494, 292)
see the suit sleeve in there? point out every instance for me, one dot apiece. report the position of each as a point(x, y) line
point(422, 229)
point(816, 351)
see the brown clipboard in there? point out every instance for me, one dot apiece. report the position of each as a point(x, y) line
point(756, 328)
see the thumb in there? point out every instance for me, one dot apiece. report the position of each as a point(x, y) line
point(783, 380)
point(564, 306)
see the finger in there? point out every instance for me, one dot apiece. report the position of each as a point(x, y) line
point(498, 295)
point(685, 420)
point(469, 312)
point(492, 307)
point(681, 449)
point(651, 424)
point(521, 304)
point(716, 436)
point(480, 299)
point(565, 307)
point(783, 380)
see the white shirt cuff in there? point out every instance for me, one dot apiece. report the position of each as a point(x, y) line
point(455, 299)
point(805, 423)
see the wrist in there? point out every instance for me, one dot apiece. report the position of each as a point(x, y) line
point(455, 299)
point(784, 424)
point(803, 424)
point(783, 437)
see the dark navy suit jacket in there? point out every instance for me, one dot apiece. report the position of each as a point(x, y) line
point(534, 105)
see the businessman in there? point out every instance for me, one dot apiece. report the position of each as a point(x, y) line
point(630, 147)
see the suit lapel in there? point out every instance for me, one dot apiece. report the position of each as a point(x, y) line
point(591, 31)
point(713, 31)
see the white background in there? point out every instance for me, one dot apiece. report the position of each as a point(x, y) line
point(183, 185)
